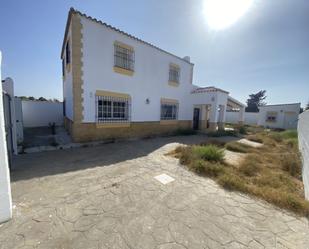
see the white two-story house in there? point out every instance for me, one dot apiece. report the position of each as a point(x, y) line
point(118, 86)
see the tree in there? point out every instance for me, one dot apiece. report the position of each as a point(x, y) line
point(42, 99)
point(31, 98)
point(307, 106)
point(255, 100)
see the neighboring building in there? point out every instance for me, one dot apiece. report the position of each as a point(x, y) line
point(118, 86)
point(283, 116)
point(5, 187)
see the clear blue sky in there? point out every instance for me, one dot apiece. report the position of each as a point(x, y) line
point(267, 48)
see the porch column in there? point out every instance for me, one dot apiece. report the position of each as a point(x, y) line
point(5, 187)
point(241, 120)
point(213, 117)
point(221, 121)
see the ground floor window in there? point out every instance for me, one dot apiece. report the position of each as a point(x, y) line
point(271, 117)
point(169, 111)
point(112, 109)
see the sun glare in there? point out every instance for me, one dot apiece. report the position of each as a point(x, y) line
point(222, 13)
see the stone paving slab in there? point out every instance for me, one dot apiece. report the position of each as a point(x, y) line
point(107, 197)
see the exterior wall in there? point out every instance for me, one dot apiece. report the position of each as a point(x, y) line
point(303, 138)
point(5, 188)
point(19, 120)
point(41, 113)
point(84, 132)
point(281, 121)
point(251, 118)
point(149, 80)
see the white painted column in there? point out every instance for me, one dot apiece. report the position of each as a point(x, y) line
point(241, 116)
point(5, 187)
point(213, 117)
point(221, 121)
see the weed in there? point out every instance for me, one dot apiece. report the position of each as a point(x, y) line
point(184, 132)
point(209, 153)
point(222, 133)
point(250, 166)
point(232, 182)
point(255, 138)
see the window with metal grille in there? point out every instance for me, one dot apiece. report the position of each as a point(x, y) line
point(174, 74)
point(169, 111)
point(271, 117)
point(112, 109)
point(68, 53)
point(123, 57)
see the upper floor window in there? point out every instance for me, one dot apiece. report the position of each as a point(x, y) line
point(67, 53)
point(113, 109)
point(123, 56)
point(174, 73)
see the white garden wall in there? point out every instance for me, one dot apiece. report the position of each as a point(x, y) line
point(251, 118)
point(5, 187)
point(41, 113)
point(303, 137)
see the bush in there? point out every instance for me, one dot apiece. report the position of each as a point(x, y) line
point(289, 134)
point(237, 147)
point(242, 130)
point(222, 133)
point(209, 153)
point(207, 168)
point(185, 155)
point(291, 163)
point(250, 166)
point(232, 182)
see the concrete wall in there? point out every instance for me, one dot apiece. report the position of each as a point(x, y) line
point(251, 118)
point(41, 113)
point(5, 188)
point(303, 137)
point(287, 115)
point(149, 81)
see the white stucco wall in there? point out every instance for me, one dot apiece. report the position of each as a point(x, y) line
point(41, 113)
point(284, 120)
point(5, 188)
point(303, 138)
point(150, 78)
point(251, 118)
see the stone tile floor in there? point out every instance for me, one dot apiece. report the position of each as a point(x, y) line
point(107, 197)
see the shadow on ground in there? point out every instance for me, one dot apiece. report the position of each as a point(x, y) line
point(41, 164)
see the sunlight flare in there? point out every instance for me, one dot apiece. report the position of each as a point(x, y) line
point(222, 13)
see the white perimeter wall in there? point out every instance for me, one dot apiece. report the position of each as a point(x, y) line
point(303, 137)
point(251, 118)
point(150, 79)
point(5, 188)
point(41, 113)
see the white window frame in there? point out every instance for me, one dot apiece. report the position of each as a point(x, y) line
point(174, 73)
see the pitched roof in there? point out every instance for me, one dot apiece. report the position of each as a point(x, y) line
point(208, 89)
point(73, 11)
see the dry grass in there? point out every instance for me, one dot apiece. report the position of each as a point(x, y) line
point(272, 172)
point(238, 147)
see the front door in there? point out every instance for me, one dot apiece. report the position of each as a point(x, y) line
point(196, 118)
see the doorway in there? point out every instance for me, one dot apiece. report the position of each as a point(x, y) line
point(196, 118)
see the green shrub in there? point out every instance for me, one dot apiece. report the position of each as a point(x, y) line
point(242, 130)
point(208, 152)
point(237, 147)
point(289, 134)
point(222, 133)
point(211, 169)
point(185, 155)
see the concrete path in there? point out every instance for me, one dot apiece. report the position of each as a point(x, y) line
point(67, 199)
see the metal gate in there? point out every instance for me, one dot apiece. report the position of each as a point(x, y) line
point(8, 125)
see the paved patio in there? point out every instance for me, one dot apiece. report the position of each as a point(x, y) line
point(107, 197)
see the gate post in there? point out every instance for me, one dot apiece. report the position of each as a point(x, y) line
point(5, 187)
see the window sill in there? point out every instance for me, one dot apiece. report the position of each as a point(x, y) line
point(173, 83)
point(168, 122)
point(113, 125)
point(123, 71)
